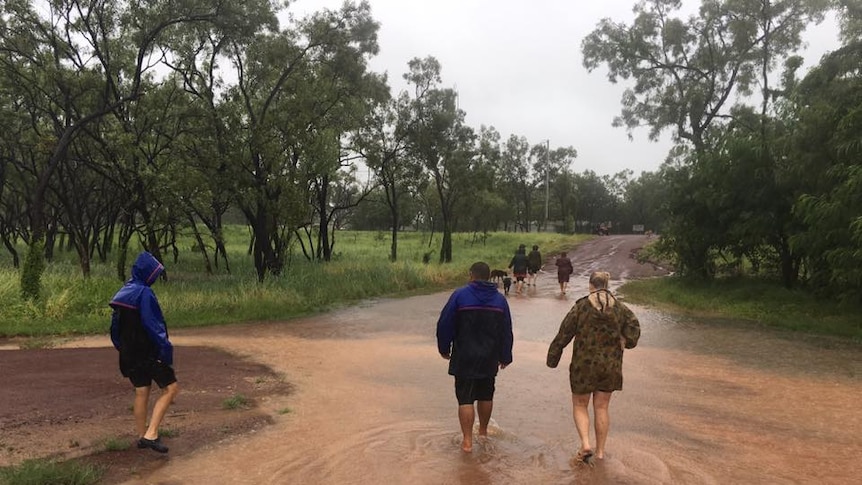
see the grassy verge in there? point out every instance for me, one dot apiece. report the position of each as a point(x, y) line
point(752, 300)
point(39, 472)
point(73, 305)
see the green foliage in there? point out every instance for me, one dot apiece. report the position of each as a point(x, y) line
point(31, 274)
point(237, 401)
point(754, 300)
point(191, 298)
point(50, 472)
point(116, 444)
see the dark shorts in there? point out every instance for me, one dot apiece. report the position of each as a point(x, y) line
point(533, 270)
point(144, 375)
point(470, 390)
point(563, 277)
point(520, 276)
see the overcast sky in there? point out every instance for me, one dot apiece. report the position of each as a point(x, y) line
point(517, 66)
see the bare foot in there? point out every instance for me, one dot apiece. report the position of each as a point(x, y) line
point(467, 446)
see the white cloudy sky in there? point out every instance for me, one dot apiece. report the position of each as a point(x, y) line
point(517, 66)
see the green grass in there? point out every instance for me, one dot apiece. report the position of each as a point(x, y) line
point(168, 433)
point(237, 401)
point(284, 411)
point(73, 305)
point(49, 472)
point(752, 300)
point(116, 444)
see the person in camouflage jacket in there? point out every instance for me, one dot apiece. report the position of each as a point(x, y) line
point(602, 327)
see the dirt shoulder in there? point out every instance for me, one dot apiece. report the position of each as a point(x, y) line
point(67, 403)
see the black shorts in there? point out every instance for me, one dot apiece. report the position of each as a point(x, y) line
point(144, 375)
point(470, 390)
point(533, 271)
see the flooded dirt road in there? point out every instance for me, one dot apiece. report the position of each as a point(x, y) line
point(702, 403)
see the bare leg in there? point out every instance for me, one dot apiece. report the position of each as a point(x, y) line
point(159, 410)
point(484, 408)
point(466, 416)
point(601, 401)
point(581, 412)
point(142, 400)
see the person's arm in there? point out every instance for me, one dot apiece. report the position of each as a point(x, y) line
point(154, 323)
point(631, 328)
point(564, 336)
point(446, 326)
point(508, 337)
point(115, 328)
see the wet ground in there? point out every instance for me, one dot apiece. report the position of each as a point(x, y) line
point(703, 402)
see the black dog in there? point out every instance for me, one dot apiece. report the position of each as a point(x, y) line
point(497, 275)
point(507, 283)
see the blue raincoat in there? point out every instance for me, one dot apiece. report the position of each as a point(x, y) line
point(138, 328)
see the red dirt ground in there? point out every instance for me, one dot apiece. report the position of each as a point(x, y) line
point(65, 403)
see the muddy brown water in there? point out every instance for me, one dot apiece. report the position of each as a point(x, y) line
point(703, 403)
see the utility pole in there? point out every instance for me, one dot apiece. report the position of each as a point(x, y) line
point(547, 183)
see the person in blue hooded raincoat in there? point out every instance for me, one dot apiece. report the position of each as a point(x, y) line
point(474, 333)
point(139, 333)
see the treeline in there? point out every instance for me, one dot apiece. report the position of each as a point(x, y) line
point(766, 172)
point(128, 121)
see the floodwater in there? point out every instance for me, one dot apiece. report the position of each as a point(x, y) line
point(703, 402)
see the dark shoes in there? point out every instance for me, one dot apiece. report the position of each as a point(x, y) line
point(155, 445)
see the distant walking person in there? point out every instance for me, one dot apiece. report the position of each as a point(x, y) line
point(520, 265)
point(601, 327)
point(139, 333)
point(534, 264)
point(564, 271)
point(474, 333)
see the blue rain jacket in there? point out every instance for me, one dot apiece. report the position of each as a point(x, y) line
point(475, 330)
point(138, 328)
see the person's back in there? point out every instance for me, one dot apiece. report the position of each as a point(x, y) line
point(535, 259)
point(519, 263)
point(482, 331)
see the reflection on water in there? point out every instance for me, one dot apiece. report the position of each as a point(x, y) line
point(703, 403)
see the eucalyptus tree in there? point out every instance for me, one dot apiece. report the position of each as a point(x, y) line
point(487, 209)
point(442, 142)
point(344, 93)
point(383, 142)
point(643, 201)
point(200, 57)
point(826, 150)
point(687, 73)
point(516, 179)
point(282, 117)
point(850, 17)
point(63, 52)
point(548, 165)
point(594, 200)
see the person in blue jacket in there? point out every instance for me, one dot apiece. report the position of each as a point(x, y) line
point(139, 333)
point(474, 333)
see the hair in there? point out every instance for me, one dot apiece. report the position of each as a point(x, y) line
point(480, 271)
point(535, 248)
point(563, 254)
point(600, 298)
point(600, 279)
